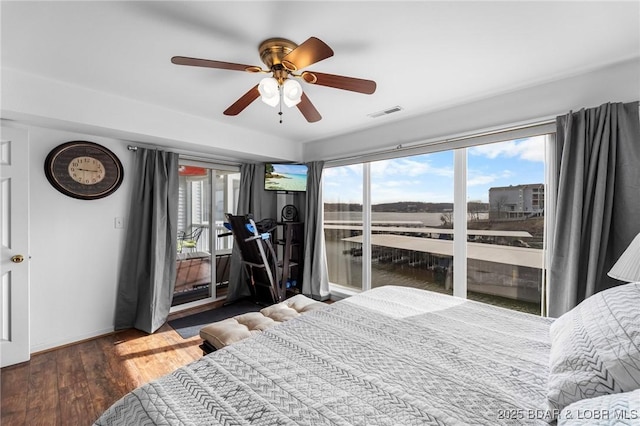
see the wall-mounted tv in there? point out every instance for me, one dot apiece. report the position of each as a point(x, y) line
point(285, 177)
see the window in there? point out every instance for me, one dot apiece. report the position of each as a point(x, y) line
point(203, 243)
point(392, 221)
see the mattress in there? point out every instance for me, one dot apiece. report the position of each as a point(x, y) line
point(388, 356)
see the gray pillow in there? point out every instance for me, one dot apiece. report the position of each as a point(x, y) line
point(595, 348)
point(620, 409)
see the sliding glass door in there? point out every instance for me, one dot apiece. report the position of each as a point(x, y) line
point(203, 243)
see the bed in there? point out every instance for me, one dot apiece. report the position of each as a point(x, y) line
point(388, 356)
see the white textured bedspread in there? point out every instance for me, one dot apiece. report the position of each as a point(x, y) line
point(389, 356)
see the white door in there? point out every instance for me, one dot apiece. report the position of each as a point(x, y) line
point(14, 222)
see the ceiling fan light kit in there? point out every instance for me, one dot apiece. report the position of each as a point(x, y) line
point(269, 91)
point(282, 58)
point(291, 93)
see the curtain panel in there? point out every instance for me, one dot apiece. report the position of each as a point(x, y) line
point(148, 272)
point(598, 152)
point(315, 278)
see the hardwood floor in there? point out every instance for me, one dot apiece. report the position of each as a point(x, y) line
point(74, 384)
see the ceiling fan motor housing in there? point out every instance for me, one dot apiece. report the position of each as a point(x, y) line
point(272, 51)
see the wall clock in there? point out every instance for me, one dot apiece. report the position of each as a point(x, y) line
point(83, 170)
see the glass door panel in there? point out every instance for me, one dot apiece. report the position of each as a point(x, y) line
point(342, 194)
point(412, 222)
point(193, 260)
point(505, 223)
point(226, 186)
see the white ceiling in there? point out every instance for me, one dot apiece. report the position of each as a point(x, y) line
point(424, 55)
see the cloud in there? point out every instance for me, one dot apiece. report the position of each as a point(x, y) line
point(350, 171)
point(477, 178)
point(429, 177)
point(412, 167)
point(391, 184)
point(481, 180)
point(529, 149)
point(342, 184)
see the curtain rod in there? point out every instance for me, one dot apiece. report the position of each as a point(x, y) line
point(185, 156)
point(210, 160)
point(421, 143)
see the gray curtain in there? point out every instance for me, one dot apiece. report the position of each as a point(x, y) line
point(315, 278)
point(148, 272)
point(252, 198)
point(598, 152)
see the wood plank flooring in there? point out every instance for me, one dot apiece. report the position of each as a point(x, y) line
point(74, 384)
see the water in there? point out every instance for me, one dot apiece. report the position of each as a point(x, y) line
point(287, 182)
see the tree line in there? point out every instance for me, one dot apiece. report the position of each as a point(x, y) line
point(405, 207)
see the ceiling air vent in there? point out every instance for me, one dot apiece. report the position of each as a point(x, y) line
point(385, 112)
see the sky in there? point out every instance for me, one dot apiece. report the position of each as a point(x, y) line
point(295, 169)
point(429, 177)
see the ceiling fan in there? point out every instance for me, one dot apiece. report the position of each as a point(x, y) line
point(284, 59)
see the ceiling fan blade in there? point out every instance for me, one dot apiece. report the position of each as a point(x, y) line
point(195, 62)
point(340, 82)
point(244, 101)
point(311, 51)
point(308, 110)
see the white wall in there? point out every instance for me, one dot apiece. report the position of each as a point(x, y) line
point(75, 249)
point(616, 83)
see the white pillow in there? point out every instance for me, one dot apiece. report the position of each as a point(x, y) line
point(595, 348)
point(619, 409)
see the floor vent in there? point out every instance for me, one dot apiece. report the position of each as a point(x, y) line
point(385, 112)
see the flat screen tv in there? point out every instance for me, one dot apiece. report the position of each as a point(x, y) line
point(285, 177)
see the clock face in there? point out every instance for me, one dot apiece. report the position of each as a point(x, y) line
point(86, 170)
point(83, 170)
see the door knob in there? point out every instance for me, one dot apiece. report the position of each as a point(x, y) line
point(18, 258)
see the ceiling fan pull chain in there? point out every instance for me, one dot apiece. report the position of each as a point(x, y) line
point(280, 112)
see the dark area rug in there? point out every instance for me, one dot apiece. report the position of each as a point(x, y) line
point(190, 326)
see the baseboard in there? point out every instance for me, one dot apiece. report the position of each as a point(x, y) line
point(45, 347)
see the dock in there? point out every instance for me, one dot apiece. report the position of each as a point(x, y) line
point(520, 256)
point(427, 230)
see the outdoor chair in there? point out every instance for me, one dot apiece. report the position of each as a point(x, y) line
point(189, 241)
